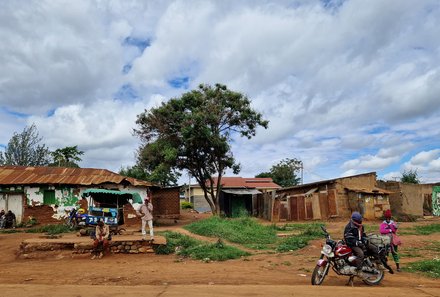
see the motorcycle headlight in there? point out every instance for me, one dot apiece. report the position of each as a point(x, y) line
point(326, 249)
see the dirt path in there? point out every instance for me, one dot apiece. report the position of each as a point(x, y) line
point(262, 274)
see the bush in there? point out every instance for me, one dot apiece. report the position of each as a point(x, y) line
point(186, 205)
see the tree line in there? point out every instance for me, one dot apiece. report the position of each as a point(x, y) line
point(26, 149)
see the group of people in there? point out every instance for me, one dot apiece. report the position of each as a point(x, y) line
point(356, 238)
point(7, 219)
point(102, 231)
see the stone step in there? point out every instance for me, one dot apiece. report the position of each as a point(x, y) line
point(119, 244)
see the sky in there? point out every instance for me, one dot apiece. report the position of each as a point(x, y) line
point(348, 87)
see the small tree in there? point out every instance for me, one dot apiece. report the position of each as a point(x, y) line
point(410, 177)
point(25, 149)
point(135, 172)
point(284, 173)
point(66, 157)
point(193, 133)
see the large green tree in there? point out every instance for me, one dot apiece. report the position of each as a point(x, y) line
point(410, 177)
point(285, 172)
point(193, 133)
point(26, 149)
point(163, 176)
point(66, 157)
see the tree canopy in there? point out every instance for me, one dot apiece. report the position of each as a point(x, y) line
point(410, 177)
point(193, 133)
point(26, 149)
point(284, 173)
point(162, 176)
point(66, 157)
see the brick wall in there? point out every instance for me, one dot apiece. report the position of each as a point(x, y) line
point(166, 203)
point(42, 213)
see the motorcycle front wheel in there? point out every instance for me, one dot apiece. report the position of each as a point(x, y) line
point(319, 273)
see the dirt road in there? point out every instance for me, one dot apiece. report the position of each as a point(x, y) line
point(263, 274)
point(209, 290)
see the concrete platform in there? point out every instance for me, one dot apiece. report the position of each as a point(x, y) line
point(127, 244)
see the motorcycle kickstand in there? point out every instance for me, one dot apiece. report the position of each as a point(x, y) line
point(350, 281)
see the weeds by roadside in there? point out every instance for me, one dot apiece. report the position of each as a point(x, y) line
point(248, 232)
point(243, 230)
point(430, 268)
point(49, 229)
point(427, 229)
point(186, 246)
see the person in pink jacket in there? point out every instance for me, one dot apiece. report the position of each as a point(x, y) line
point(389, 227)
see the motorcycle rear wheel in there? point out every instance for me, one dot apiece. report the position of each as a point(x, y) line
point(319, 274)
point(374, 281)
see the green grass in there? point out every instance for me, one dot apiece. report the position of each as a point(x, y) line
point(188, 247)
point(293, 243)
point(410, 252)
point(433, 246)
point(430, 268)
point(50, 229)
point(248, 232)
point(427, 229)
point(243, 230)
point(9, 231)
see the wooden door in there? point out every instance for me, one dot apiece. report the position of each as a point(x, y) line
point(301, 208)
point(294, 208)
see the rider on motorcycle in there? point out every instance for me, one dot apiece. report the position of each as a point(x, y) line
point(356, 239)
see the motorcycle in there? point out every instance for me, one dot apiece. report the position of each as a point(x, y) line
point(338, 256)
point(74, 219)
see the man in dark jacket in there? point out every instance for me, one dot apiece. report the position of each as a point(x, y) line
point(356, 239)
point(10, 219)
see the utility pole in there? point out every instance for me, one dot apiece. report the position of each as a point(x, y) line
point(189, 187)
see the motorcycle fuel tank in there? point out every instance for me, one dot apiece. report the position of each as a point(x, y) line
point(342, 250)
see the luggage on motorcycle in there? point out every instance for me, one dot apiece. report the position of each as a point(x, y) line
point(379, 240)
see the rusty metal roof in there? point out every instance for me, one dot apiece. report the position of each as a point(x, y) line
point(248, 182)
point(22, 175)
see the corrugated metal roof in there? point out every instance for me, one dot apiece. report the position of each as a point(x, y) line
point(248, 182)
point(22, 175)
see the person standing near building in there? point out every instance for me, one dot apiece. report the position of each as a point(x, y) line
point(389, 227)
point(83, 204)
point(10, 219)
point(2, 219)
point(146, 214)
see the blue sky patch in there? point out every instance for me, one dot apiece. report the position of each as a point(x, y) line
point(14, 113)
point(141, 44)
point(126, 92)
point(127, 68)
point(50, 113)
point(179, 82)
point(332, 4)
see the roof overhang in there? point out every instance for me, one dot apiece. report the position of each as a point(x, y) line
point(101, 195)
point(241, 191)
point(374, 191)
